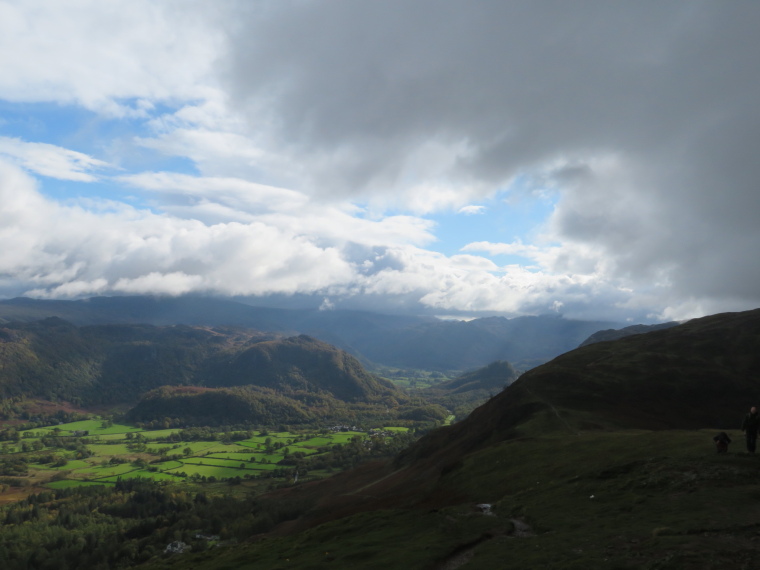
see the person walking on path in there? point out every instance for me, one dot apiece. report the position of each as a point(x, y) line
point(750, 426)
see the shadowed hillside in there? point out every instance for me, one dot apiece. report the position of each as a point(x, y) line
point(108, 364)
point(464, 393)
point(615, 334)
point(590, 461)
point(704, 373)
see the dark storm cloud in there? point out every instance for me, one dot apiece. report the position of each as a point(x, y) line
point(647, 112)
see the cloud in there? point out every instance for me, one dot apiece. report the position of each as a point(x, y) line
point(110, 248)
point(321, 134)
point(114, 58)
point(50, 160)
point(470, 210)
point(67, 250)
point(642, 116)
point(239, 195)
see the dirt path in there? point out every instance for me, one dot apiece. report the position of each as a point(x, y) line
point(465, 553)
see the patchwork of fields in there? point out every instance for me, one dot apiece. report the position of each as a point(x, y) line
point(98, 452)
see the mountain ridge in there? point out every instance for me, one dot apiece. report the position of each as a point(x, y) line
point(108, 364)
point(389, 340)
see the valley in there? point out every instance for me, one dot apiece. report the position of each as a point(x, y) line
point(601, 458)
point(100, 452)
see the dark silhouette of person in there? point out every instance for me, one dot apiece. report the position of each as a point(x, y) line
point(750, 426)
point(721, 442)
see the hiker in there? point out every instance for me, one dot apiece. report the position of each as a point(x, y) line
point(721, 442)
point(750, 426)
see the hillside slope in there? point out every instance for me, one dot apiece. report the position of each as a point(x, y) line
point(590, 461)
point(702, 374)
point(469, 390)
point(301, 363)
point(615, 334)
point(109, 364)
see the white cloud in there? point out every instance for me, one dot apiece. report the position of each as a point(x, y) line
point(69, 251)
point(50, 160)
point(470, 210)
point(101, 54)
point(236, 193)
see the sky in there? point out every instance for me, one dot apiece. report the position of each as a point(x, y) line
point(592, 159)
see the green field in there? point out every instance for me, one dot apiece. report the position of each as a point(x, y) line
point(140, 473)
point(214, 462)
point(235, 456)
point(106, 453)
point(67, 483)
point(211, 471)
point(344, 437)
point(91, 426)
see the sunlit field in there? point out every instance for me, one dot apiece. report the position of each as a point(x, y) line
point(99, 452)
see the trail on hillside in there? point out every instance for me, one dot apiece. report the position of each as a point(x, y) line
point(356, 491)
point(463, 554)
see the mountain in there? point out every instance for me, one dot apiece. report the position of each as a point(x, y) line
point(193, 405)
point(466, 345)
point(614, 334)
point(701, 374)
point(388, 340)
point(301, 363)
point(601, 458)
point(109, 364)
point(492, 378)
point(466, 392)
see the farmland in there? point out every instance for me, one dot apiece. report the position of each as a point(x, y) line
point(100, 452)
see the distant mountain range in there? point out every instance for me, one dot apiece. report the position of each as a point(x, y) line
point(406, 342)
point(615, 334)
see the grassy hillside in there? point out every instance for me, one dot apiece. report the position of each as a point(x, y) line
point(612, 500)
point(615, 334)
point(602, 458)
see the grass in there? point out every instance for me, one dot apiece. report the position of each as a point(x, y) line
point(68, 483)
point(607, 500)
point(301, 447)
point(139, 473)
point(344, 436)
point(110, 449)
point(214, 461)
point(207, 458)
point(210, 471)
point(317, 442)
